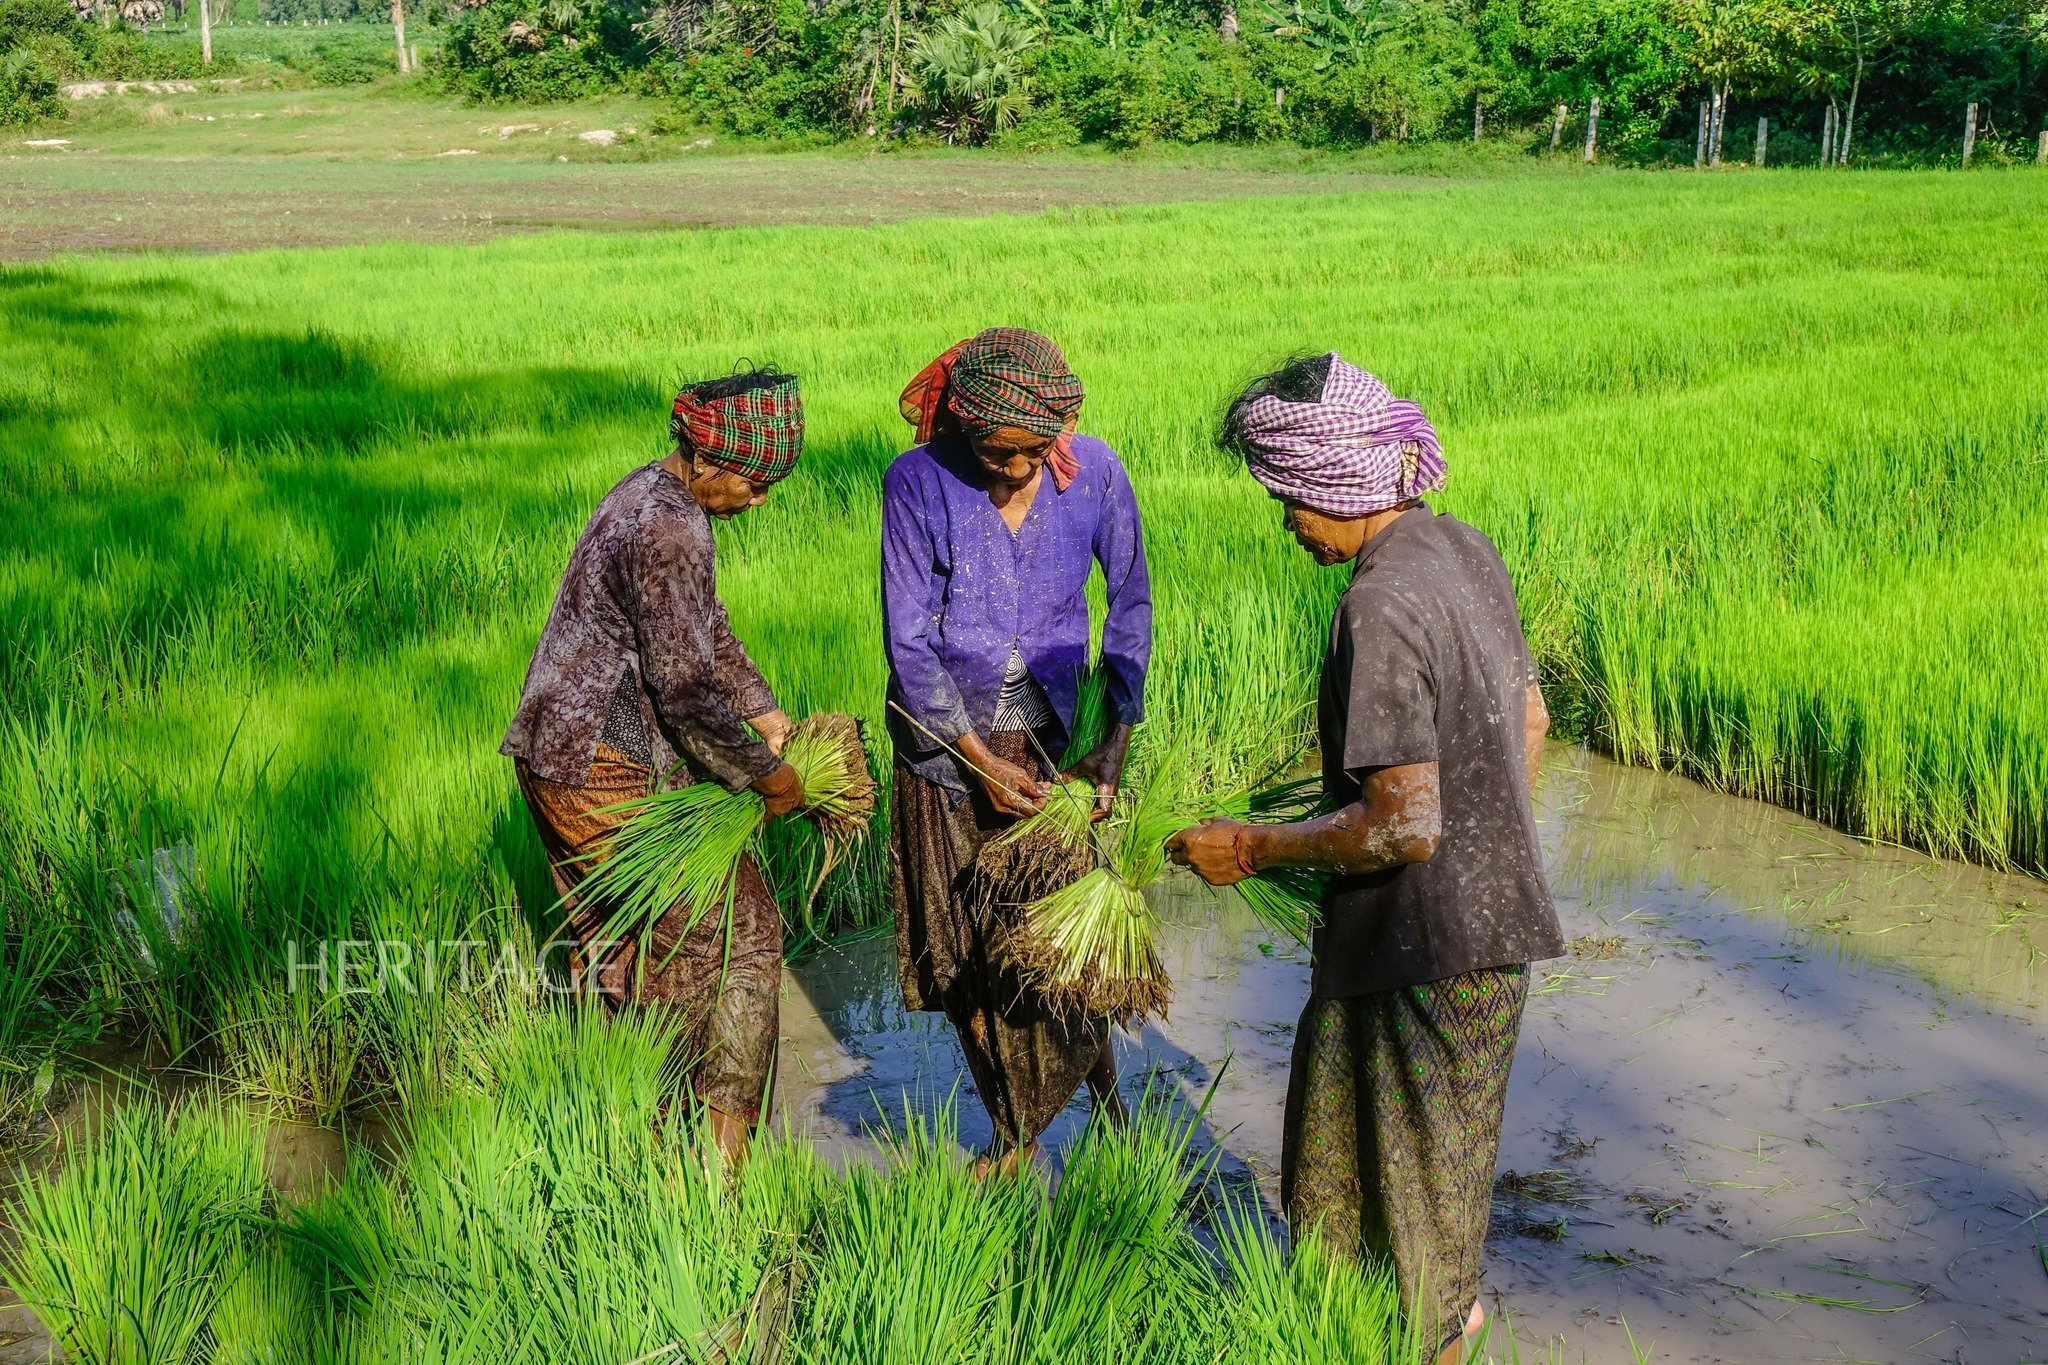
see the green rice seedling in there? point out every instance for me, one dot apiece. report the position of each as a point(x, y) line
point(684, 846)
point(1111, 1246)
point(563, 1212)
point(1040, 853)
point(125, 1254)
point(1092, 946)
point(268, 1313)
point(1055, 847)
point(298, 1053)
point(909, 1258)
point(1306, 1302)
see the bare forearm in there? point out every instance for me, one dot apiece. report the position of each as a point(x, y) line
point(1398, 820)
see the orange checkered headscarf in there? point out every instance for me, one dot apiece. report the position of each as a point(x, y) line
point(1003, 377)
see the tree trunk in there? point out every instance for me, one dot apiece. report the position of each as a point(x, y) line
point(398, 29)
point(206, 32)
point(1592, 128)
point(1827, 132)
point(1969, 133)
point(1226, 28)
point(1478, 117)
point(1763, 135)
point(895, 50)
point(1720, 122)
point(2041, 157)
point(1849, 118)
point(1557, 129)
point(1699, 147)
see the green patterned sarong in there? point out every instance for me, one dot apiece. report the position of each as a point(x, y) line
point(1393, 1124)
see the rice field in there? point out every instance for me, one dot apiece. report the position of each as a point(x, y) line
point(1762, 452)
point(552, 1207)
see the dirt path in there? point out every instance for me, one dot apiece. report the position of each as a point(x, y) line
point(60, 201)
point(1732, 1138)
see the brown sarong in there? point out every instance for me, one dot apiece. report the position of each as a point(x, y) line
point(725, 990)
point(1026, 1058)
point(1394, 1111)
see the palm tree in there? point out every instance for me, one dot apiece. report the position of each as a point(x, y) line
point(970, 72)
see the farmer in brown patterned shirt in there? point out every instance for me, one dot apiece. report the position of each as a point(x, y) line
point(638, 682)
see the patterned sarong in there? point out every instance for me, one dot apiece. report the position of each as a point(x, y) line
point(1393, 1125)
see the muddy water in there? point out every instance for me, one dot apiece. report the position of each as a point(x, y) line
point(1787, 1100)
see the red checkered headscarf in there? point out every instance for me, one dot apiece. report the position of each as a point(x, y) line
point(1003, 377)
point(757, 434)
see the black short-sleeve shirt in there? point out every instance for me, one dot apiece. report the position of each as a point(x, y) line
point(1427, 664)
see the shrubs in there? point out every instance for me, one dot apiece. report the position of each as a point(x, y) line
point(28, 90)
point(512, 53)
point(972, 73)
point(43, 43)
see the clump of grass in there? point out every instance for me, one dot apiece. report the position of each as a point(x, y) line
point(1091, 946)
point(685, 845)
point(1307, 1304)
point(1112, 1247)
point(125, 1254)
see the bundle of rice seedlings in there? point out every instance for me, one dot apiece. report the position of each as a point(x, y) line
point(686, 845)
point(1040, 853)
point(1054, 848)
point(1091, 948)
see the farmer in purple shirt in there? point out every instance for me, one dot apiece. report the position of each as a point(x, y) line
point(989, 531)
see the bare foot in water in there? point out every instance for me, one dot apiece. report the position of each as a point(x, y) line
point(1007, 1163)
point(1457, 1352)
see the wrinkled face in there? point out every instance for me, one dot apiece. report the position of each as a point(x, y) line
point(1010, 455)
point(723, 493)
point(1330, 540)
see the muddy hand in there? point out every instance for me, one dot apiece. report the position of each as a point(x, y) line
point(1104, 766)
point(773, 727)
point(782, 791)
point(1011, 789)
point(1210, 851)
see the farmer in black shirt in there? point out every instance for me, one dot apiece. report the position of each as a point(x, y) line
point(1431, 726)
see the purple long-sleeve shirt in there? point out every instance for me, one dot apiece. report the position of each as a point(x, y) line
point(959, 590)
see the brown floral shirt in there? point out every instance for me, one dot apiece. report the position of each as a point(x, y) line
point(640, 600)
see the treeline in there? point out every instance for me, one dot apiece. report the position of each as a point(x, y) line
point(1879, 79)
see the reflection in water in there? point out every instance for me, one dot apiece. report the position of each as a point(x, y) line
point(1617, 832)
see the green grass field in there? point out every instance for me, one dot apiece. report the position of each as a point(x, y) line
point(280, 529)
point(544, 1209)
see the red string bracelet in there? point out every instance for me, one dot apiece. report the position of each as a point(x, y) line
point(1244, 864)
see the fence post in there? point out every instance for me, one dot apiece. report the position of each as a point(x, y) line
point(1557, 129)
point(1593, 127)
point(1969, 133)
point(1763, 135)
point(2041, 157)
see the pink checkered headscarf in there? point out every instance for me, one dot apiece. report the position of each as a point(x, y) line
point(1358, 451)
